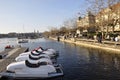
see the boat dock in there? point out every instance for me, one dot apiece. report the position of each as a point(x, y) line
point(4, 53)
point(10, 55)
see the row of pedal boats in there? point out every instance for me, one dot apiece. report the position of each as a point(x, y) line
point(38, 63)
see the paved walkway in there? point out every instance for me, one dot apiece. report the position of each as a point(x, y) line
point(109, 46)
point(11, 57)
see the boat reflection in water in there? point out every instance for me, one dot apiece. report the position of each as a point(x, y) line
point(81, 63)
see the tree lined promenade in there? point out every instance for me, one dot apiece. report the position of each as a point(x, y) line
point(99, 28)
point(102, 20)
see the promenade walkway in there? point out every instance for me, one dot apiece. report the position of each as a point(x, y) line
point(108, 46)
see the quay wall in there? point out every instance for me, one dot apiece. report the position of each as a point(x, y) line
point(110, 48)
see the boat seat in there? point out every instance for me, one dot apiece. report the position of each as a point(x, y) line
point(32, 58)
point(37, 52)
point(43, 63)
point(31, 65)
point(42, 57)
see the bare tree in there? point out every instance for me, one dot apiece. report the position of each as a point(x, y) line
point(103, 11)
point(46, 34)
point(114, 16)
point(111, 14)
point(63, 31)
point(96, 7)
point(70, 23)
point(54, 31)
point(71, 26)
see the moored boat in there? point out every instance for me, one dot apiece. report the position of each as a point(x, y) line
point(23, 41)
point(34, 73)
point(50, 52)
point(9, 47)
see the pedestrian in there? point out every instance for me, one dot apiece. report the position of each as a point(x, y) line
point(58, 38)
point(116, 39)
point(64, 37)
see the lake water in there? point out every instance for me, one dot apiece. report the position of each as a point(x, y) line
point(80, 63)
point(7, 41)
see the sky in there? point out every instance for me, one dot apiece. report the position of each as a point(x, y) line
point(32, 15)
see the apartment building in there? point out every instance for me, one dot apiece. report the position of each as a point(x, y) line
point(108, 19)
point(86, 24)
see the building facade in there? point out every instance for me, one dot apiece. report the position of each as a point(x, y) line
point(86, 24)
point(108, 20)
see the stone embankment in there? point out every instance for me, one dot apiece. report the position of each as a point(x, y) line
point(108, 46)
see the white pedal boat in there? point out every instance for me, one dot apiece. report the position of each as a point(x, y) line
point(25, 53)
point(32, 69)
point(44, 53)
point(56, 53)
point(42, 57)
point(23, 58)
point(34, 56)
point(50, 52)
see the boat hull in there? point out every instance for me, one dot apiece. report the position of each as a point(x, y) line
point(14, 75)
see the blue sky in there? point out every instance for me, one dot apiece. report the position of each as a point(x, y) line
point(30, 15)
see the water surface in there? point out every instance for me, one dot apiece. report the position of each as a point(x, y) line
point(81, 63)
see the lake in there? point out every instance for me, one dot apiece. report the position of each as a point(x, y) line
point(78, 63)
